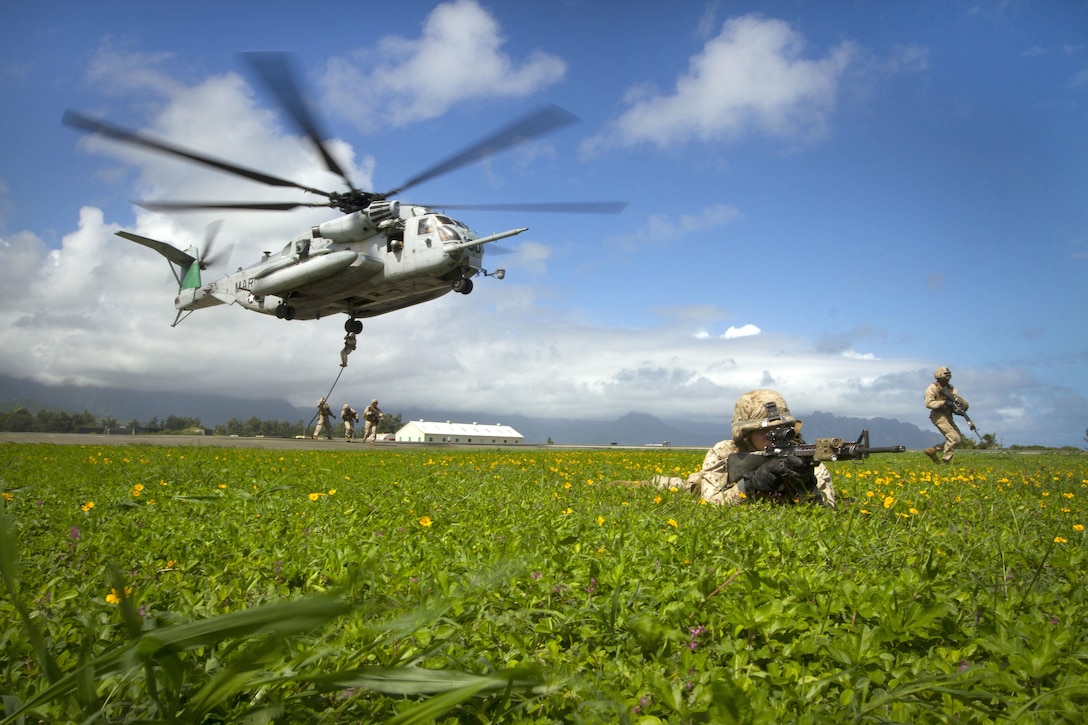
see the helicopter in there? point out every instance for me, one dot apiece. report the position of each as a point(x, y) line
point(382, 254)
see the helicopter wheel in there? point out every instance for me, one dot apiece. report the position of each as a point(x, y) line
point(462, 285)
point(353, 326)
point(285, 312)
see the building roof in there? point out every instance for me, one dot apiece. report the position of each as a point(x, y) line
point(462, 429)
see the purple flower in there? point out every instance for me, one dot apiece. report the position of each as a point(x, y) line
point(73, 533)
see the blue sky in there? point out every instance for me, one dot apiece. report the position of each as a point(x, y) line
point(827, 199)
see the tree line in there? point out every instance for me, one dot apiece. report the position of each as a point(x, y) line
point(21, 420)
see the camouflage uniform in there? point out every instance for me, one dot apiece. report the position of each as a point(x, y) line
point(751, 413)
point(323, 414)
point(372, 416)
point(349, 416)
point(349, 347)
point(940, 414)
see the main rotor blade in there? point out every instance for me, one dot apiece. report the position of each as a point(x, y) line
point(91, 125)
point(535, 124)
point(561, 207)
point(237, 205)
point(276, 71)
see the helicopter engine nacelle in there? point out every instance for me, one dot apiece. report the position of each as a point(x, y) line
point(359, 225)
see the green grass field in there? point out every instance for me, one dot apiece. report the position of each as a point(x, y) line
point(154, 584)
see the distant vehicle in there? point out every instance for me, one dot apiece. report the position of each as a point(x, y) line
point(387, 437)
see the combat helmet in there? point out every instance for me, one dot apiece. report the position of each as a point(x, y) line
point(759, 409)
point(942, 373)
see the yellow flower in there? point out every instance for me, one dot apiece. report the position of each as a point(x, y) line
point(672, 523)
point(889, 501)
point(600, 520)
point(315, 496)
point(332, 491)
point(8, 496)
point(657, 499)
point(114, 597)
point(87, 506)
point(1059, 540)
point(1078, 527)
point(138, 487)
point(425, 521)
point(913, 511)
point(568, 511)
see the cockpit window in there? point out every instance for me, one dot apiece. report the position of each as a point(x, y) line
point(426, 226)
point(447, 220)
point(448, 233)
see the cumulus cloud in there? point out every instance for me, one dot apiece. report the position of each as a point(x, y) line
point(751, 78)
point(457, 57)
point(743, 331)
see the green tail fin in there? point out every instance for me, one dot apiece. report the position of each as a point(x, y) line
point(191, 280)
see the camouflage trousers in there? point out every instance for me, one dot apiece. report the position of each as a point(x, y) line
point(952, 435)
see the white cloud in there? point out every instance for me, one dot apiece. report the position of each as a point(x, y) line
point(751, 78)
point(457, 57)
point(855, 355)
point(743, 331)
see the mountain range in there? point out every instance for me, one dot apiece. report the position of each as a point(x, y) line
point(632, 429)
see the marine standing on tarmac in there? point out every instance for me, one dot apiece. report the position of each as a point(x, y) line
point(755, 414)
point(349, 416)
point(372, 416)
point(939, 399)
point(324, 412)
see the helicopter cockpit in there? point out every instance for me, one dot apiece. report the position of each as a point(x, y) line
point(446, 228)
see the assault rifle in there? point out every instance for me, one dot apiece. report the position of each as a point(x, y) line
point(959, 409)
point(783, 443)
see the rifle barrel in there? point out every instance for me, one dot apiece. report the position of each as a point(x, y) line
point(886, 449)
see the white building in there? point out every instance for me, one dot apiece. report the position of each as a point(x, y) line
point(421, 431)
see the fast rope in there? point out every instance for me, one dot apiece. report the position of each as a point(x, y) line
point(334, 382)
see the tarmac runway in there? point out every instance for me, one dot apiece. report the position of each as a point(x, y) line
point(275, 444)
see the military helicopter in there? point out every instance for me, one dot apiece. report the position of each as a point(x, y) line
point(381, 255)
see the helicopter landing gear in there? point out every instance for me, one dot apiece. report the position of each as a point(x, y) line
point(462, 285)
point(354, 326)
point(285, 311)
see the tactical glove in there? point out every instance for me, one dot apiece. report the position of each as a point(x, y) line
point(775, 475)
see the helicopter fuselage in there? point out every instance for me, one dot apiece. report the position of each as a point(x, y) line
point(383, 258)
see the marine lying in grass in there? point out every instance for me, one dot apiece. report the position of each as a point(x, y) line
point(767, 460)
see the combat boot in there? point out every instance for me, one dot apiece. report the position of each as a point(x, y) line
point(932, 453)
